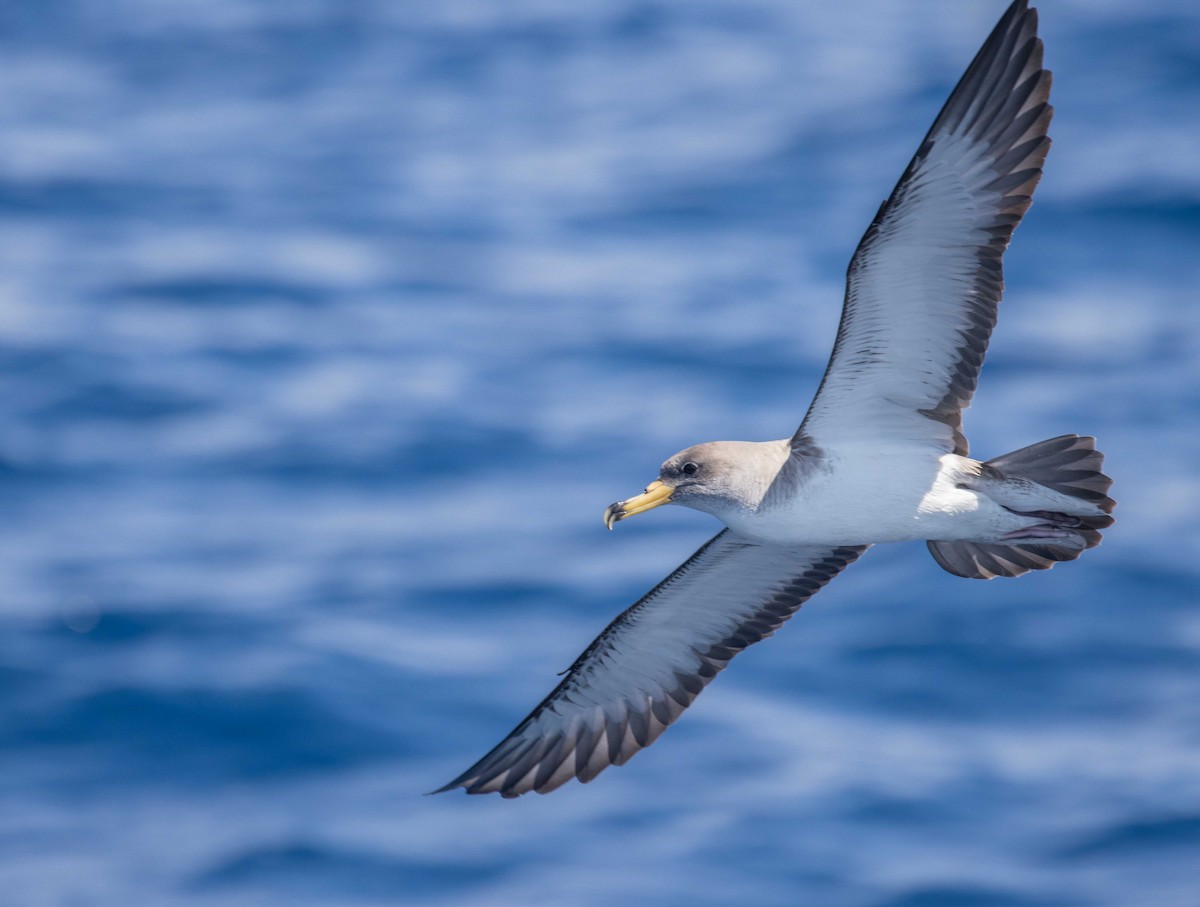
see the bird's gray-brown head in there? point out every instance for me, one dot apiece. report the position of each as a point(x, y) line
point(717, 477)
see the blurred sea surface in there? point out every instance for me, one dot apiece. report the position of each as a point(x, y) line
point(328, 328)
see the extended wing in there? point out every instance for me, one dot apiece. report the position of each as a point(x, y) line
point(924, 284)
point(653, 661)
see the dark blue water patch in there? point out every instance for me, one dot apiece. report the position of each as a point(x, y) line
point(1160, 47)
point(1131, 235)
point(193, 737)
point(264, 357)
point(519, 597)
point(1002, 682)
point(1176, 212)
point(768, 364)
point(214, 290)
point(1145, 413)
point(761, 195)
point(960, 895)
point(683, 210)
point(1020, 362)
point(697, 208)
point(304, 870)
point(637, 23)
point(116, 627)
point(1159, 586)
point(87, 200)
point(448, 448)
point(110, 401)
point(40, 362)
point(26, 21)
point(428, 459)
point(1168, 836)
point(906, 812)
point(460, 62)
point(23, 478)
point(17, 683)
point(640, 24)
point(1023, 665)
point(921, 685)
point(66, 368)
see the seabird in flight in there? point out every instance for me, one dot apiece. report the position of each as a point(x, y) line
point(880, 456)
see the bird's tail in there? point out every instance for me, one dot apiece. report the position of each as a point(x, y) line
point(1069, 465)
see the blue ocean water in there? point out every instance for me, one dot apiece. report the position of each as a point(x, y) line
point(329, 328)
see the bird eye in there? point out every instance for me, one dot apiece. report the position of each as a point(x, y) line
point(689, 469)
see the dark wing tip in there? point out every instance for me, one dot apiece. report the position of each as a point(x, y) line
point(464, 781)
point(446, 788)
point(1005, 78)
point(544, 763)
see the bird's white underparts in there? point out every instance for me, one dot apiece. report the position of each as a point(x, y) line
point(859, 494)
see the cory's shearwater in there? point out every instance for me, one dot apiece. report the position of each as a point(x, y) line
point(880, 456)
